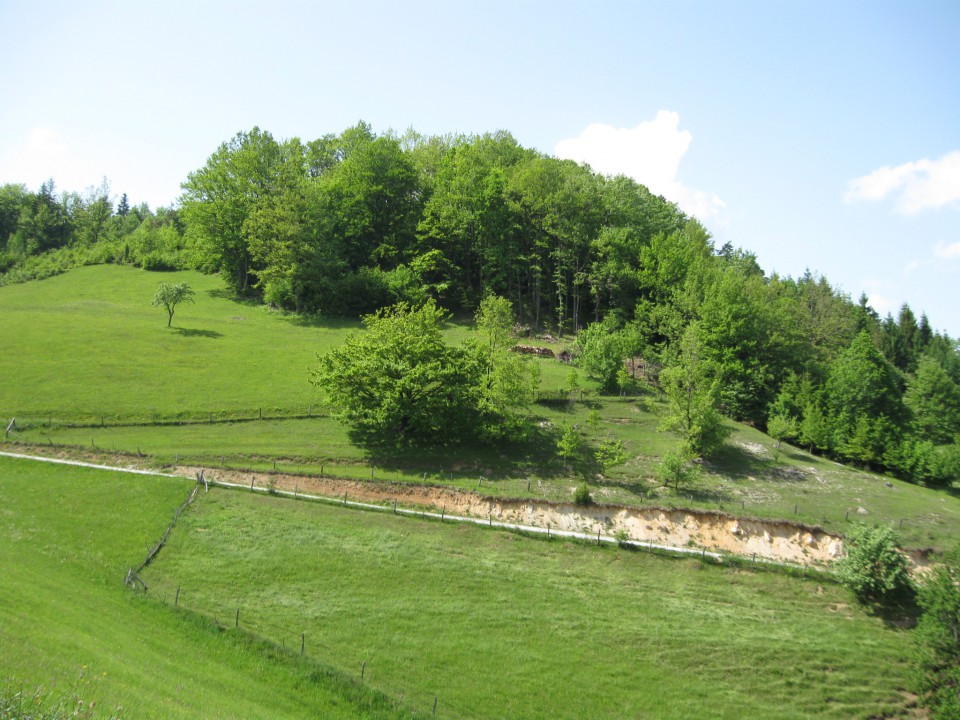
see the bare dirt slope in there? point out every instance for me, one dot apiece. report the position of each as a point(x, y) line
point(781, 541)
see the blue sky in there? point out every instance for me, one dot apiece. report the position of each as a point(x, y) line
point(820, 135)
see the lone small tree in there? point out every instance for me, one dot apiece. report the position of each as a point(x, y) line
point(169, 295)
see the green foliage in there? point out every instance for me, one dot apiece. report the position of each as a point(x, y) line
point(582, 496)
point(693, 396)
point(873, 568)
point(18, 703)
point(509, 380)
point(169, 295)
point(934, 399)
point(610, 453)
point(679, 468)
point(570, 443)
point(397, 382)
point(782, 427)
point(938, 633)
point(599, 350)
point(864, 402)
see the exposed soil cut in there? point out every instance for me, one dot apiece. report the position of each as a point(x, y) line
point(781, 541)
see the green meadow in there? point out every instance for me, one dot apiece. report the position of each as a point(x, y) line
point(494, 624)
point(88, 363)
point(68, 624)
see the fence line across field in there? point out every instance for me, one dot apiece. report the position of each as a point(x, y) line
point(262, 628)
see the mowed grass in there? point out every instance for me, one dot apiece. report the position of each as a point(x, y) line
point(67, 537)
point(498, 625)
point(87, 344)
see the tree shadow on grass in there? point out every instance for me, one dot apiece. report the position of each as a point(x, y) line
point(738, 462)
point(228, 294)
point(194, 332)
point(503, 460)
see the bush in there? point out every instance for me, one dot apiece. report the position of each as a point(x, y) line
point(582, 496)
point(873, 568)
point(678, 467)
point(938, 632)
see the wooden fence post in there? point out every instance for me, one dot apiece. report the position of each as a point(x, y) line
point(302, 637)
point(176, 599)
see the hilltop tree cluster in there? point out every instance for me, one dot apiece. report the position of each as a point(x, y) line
point(46, 232)
point(348, 224)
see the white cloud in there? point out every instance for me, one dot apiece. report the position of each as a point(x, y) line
point(946, 252)
point(920, 185)
point(649, 153)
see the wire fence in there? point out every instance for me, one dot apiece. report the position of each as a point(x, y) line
point(41, 420)
point(293, 642)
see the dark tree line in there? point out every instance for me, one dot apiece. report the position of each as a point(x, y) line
point(348, 224)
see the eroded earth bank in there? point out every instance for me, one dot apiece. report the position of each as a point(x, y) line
point(781, 541)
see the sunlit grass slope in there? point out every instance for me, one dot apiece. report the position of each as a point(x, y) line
point(67, 537)
point(498, 625)
point(88, 343)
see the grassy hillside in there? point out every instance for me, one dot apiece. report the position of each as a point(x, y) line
point(87, 344)
point(87, 347)
point(498, 625)
point(67, 537)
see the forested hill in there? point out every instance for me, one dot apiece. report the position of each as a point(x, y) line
point(345, 224)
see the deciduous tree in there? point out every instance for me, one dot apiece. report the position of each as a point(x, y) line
point(169, 295)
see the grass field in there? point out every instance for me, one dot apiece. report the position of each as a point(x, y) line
point(86, 347)
point(67, 537)
point(499, 625)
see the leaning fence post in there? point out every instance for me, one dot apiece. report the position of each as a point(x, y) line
point(435, 698)
point(363, 671)
point(176, 599)
point(236, 623)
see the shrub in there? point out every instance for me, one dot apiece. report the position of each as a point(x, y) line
point(873, 568)
point(938, 661)
point(582, 496)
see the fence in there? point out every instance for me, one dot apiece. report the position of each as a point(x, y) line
point(152, 418)
point(292, 643)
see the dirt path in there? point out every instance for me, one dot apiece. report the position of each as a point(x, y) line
point(713, 531)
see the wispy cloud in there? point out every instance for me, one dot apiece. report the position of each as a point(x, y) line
point(917, 186)
point(947, 252)
point(650, 153)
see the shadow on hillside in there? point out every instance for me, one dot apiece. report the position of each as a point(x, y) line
point(507, 459)
point(227, 294)
point(739, 462)
point(194, 332)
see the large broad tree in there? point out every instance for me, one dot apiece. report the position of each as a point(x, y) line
point(396, 382)
point(219, 198)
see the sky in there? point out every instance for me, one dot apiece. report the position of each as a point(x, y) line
point(820, 135)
